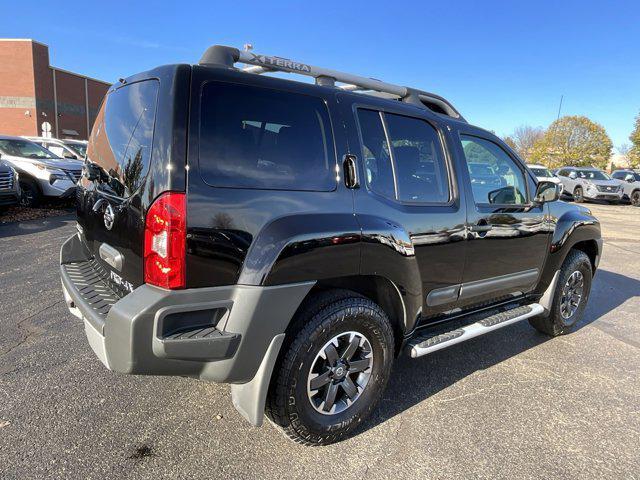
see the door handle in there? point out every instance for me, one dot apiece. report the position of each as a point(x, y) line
point(350, 173)
point(480, 228)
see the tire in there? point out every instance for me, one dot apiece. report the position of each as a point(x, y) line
point(30, 194)
point(301, 410)
point(635, 198)
point(578, 195)
point(563, 319)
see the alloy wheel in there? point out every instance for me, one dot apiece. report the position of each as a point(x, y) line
point(339, 373)
point(572, 293)
point(635, 198)
point(577, 195)
point(26, 196)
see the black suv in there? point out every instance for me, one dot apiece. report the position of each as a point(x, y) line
point(293, 238)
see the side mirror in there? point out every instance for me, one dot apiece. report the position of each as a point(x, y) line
point(629, 178)
point(573, 175)
point(69, 155)
point(91, 171)
point(547, 192)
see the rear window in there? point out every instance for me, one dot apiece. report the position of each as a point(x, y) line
point(122, 136)
point(252, 137)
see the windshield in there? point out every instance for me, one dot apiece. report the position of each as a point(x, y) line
point(541, 172)
point(79, 148)
point(24, 148)
point(592, 175)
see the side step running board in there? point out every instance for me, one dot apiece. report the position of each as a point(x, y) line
point(430, 343)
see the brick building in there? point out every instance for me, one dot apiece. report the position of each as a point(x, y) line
point(33, 92)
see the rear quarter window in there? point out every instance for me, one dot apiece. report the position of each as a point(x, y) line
point(253, 137)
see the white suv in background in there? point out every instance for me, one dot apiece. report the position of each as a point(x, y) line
point(42, 174)
point(71, 149)
point(630, 184)
point(542, 173)
point(588, 183)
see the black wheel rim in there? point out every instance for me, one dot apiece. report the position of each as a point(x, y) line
point(578, 194)
point(339, 373)
point(26, 197)
point(572, 293)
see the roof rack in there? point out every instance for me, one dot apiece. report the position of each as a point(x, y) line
point(229, 56)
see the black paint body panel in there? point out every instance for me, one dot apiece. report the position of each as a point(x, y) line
point(274, 237)
point(169, 148)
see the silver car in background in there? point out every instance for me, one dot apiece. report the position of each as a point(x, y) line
point(588, 183)
point(42, 174)
point(542, 173)
point(630, 181)
point(9, 185)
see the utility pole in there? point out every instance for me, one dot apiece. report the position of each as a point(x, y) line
point(560, 106)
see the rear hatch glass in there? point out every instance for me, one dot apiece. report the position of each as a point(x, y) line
point(122, 137)
point(119, 155)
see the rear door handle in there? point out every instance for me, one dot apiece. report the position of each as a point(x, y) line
point(480, 229)
point(483, 228)
point(350, 172)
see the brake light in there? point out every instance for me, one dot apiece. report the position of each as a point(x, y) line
point(165, 235)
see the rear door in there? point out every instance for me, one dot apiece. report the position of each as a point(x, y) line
point(110, 207)
point(507, 232)
point(408, 186)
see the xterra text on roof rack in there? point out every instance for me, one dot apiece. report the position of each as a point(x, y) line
point(291, 239)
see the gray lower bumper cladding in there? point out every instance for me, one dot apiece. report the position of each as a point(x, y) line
point(228, 334)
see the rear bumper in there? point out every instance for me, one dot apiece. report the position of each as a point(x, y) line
point(136, 334)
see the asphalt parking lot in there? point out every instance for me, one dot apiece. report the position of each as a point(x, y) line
point(511, 404)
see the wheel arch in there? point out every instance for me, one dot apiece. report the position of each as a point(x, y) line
point(574, 228)
point(378, 289)
point(27, 177)
point(590, 248)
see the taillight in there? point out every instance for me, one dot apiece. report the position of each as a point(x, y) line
point(165, 235)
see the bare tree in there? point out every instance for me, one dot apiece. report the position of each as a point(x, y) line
point(624, 149)
point(524, 138)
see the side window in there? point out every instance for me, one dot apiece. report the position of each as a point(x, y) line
point(619, 175)
point(375, 153)
point(421, 173)
point(252, 137)
point(56, 150)
point(495, 177)
point(404, 162)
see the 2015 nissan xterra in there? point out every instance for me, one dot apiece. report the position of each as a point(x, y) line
point(293, 238)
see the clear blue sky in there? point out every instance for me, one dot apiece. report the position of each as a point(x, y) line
point(502, 64)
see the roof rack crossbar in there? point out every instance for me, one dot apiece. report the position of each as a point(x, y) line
point(259, 64)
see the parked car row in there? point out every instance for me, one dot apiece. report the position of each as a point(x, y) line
point(34, 168)
point(589, 183)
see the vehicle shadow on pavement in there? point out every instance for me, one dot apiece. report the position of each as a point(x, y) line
point(609, 291)
point(416, 380)
point(28, 227)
